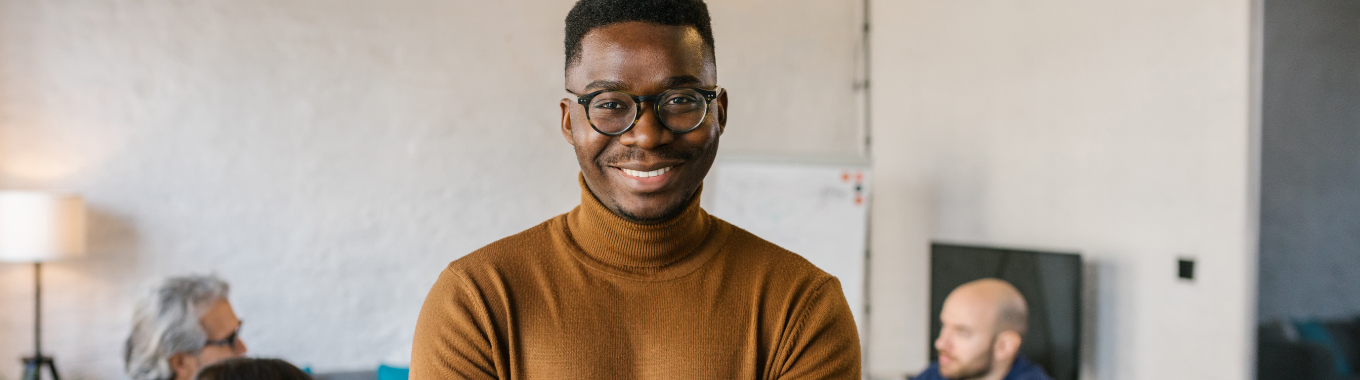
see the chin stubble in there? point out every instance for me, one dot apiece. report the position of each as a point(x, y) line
point(670, 211)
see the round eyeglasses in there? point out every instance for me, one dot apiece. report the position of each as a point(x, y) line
point(680, 110)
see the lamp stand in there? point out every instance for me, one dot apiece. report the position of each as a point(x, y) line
point(33, 365)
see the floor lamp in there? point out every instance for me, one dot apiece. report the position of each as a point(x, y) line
point(37, 227)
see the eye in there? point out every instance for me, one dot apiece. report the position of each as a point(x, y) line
point(681, 100)
point(609, 105)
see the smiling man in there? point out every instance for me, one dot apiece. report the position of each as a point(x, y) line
point(638, 282)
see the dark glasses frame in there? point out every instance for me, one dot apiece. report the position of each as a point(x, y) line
point(228, 342)
point(709, 96)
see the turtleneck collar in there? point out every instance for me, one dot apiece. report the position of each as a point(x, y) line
point(638, 248)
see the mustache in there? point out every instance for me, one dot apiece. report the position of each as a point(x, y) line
point(661, 153)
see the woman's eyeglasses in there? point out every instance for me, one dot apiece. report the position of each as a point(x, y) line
point(229, 341)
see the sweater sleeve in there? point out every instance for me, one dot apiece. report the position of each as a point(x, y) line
point(454, 334)
point(823, 343)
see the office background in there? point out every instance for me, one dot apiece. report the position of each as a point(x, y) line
point(328, 158)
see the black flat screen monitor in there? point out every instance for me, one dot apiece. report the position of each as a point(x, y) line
point(1050, 282)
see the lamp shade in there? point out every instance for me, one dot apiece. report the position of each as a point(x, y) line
point(37, 226)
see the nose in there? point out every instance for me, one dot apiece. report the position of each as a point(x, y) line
point(940, 342)
point(649, 133)
point(239, 348)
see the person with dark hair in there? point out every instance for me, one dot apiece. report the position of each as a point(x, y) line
point(252, 369)
point(638, 281)
point(984, 322)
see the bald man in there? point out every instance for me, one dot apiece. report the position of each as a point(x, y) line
point(983, 322)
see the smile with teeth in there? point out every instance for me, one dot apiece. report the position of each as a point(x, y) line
point(641, 174)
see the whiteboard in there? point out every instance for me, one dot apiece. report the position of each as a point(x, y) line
point(819, 211)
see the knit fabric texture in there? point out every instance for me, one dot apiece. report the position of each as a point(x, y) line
point(589, 295)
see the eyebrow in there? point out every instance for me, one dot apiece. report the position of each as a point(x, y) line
point(612, 85)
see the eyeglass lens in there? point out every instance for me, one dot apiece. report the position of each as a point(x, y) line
point(229, 341)
point(680, 110)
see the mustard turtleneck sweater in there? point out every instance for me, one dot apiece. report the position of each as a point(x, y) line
point(589, 295)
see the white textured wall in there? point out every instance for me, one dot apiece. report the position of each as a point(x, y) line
point(1118, 129)
point(329, 157)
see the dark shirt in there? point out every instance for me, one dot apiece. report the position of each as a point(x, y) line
point(1021, 369)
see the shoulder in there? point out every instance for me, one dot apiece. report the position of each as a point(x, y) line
point(491, 271)
point(514, 250)
point(1023, 369)
point(931, 373)
point(783, 276)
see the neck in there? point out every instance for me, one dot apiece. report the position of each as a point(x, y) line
point(998, 372)
point(629, 245)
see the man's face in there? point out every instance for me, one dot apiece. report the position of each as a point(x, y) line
point(966, 339)
point(219, 322)
point(643, 59)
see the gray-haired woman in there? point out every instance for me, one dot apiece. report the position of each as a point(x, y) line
point(183, 324)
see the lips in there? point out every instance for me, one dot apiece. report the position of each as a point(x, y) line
point(646, 174)
point(645, 179)
point(945, 360)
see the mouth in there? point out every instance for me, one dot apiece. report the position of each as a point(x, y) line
point(645, 179)
point(649, 174)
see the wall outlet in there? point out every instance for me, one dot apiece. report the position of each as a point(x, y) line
point(1185, 268)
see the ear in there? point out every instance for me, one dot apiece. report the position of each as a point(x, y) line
point(566, 120)
point(1007, 346)
point(721, 111)
point(184, 365)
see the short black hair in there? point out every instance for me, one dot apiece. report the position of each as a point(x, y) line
point(252, 369)
point(587, 15)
